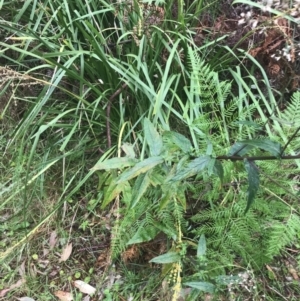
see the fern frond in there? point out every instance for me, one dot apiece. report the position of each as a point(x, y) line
point(283, 233)
point(292, 112)
point(252, 236)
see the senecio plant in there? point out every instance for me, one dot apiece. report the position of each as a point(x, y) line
point(213, 170)
point(153, 194)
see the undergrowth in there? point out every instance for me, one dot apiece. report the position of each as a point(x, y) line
point(112, 111)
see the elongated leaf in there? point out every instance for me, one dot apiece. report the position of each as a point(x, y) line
point(179, 140)
point(112, 192)
point(253, 181)
point(69, 136)
point(140, 168)
point(106, 177)
point(115, 163)
point(53, 122)
point(180, 195)
point(218, 170)
point(210, 166)
point(154, 140)
point(140, 186)
point(193, 168)
point(201, 250)
point(242, 147)
point(166, 258)
point(248, 123)
point(165, 228)
point(156, 179)
point(239, 149)
point(126, 194)
point(143, 234)
point(272, 147)
point(169, 191)
point(209, 148)
point(128, 149)
point(202, 286)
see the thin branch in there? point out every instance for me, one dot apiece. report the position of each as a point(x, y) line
point(289, 141)
point(260, 158)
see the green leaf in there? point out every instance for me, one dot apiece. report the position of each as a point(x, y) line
point(272, 147)
point(218, 170)
point(179, 140)
point(180, 195)
point(115, 163)
point(248, 123)
point(156, 179)
point(202, 286)
point(166, 258)
point(253, 181)
point(128, 149)
point(153, 138)
point(139, 168)
point(240, 148)
point(209, 148)
point(143, 234)
point(201, 250)
point(127, 194)
point(165, 228)
point(140, 186)
point(193, 168)
point(112, 192)
point(169, 190)
point(104, 178)
point(210, 166)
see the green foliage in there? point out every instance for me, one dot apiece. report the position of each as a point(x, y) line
point(289, 118)
point(291, 115)
point(255, 237)
point(152, 205)
point(253, 181)
point(108, 81)
point(283, 233)
point(173, 165)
